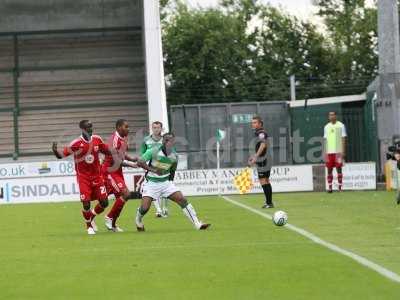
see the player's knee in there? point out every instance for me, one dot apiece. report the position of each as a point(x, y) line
point(86, 206)
point(339, 170)
point(125, 194)
point(104, 203)
point(182, 202)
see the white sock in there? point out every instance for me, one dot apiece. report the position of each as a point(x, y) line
point(139, 218)
point(164, 204)
point(191, 215)
point(157, 206)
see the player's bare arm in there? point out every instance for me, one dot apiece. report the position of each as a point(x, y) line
point(253, 159)
point(142, 164)
point(130, 161)
point(129, 164)
point(131, 158)
point(55, 151)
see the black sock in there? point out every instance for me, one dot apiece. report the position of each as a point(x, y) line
point(267, 188)
point(183, 204)
point(142, 211)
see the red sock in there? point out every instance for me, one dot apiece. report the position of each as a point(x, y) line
point(330, 179)
point(97, 210)
point(87, 216)
point(340, 180)
point(116, 209)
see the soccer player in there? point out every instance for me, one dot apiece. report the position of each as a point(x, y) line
point(113, 175)
point(335, 148)
point(155, 139)
point(163, 158)
point(86, 151)
point(260, 159)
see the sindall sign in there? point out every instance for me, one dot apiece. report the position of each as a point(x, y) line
point(32, 190)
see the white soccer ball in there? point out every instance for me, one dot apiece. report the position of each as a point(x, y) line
point(280, 218)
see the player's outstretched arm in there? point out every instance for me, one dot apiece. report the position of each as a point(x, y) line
point(130, 164)
point(142, 164)
point(55, 150)
point(131, 158)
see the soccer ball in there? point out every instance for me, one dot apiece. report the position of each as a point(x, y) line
point(280, 218)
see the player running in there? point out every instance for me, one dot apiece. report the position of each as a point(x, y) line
point(163, 158)
point(155, 139)
point(86, 151)
point(335, 149)
point(113, 175)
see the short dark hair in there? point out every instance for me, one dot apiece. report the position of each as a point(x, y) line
point(258, 118)
point(157, 123)
point(168, 135)
point(333, 112)
point(120, 122)
point(82, 123)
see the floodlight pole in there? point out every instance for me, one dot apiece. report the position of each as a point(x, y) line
point(293, 88)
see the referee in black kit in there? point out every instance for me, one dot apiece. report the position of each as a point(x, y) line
point(262, 160)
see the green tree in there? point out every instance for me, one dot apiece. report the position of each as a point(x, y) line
point(289, 46)
point(242, 51)
point(207, 58)
point(352, 30)
point(245, 51)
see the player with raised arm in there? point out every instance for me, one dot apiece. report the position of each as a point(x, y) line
point(155, 139)
point(113, 175)
point(86, 151)
point(165, 159)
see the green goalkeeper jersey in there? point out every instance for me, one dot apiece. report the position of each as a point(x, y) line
point(158, 158)
point(149, 142)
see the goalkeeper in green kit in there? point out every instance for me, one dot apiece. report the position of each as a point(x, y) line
point(164, 159)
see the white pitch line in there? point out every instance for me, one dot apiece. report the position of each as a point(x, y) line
point(361, 260)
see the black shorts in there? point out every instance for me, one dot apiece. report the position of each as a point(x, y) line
point(264, 174)
point(262, 170)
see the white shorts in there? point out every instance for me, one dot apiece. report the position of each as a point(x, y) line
point(156, 190)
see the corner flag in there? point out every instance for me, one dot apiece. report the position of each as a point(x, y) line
point(221, 134)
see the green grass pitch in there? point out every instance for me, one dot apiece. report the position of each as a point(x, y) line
point(45, 252)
